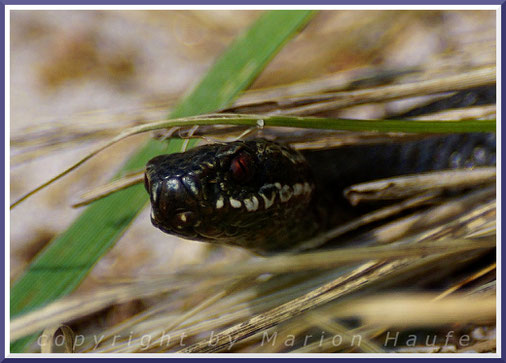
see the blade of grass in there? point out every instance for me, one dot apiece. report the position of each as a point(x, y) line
point(285, 121)
point(62, 265)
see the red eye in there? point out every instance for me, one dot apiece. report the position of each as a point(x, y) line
point(242, 168)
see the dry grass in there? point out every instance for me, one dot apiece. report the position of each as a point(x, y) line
point(420, 273)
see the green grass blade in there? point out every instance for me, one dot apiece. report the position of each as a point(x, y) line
point(242, 62)
point(62, 265)
point(341, 124)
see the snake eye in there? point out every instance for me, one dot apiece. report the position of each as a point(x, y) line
point(242, 168)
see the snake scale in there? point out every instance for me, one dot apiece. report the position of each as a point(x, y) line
point(267, 197)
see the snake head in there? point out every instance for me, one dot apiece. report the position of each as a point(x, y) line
point(237, 193)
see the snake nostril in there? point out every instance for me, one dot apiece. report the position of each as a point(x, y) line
point(171, 196)
point(175, 191)
point(193, 186)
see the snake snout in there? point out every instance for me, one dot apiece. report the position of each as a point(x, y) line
point(174, 208)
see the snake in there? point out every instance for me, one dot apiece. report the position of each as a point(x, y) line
point(268, 198)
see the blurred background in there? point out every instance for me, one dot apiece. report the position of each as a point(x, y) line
point(78, 77)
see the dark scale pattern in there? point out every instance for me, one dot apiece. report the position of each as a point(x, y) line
point(266, 197)
point(201, 195)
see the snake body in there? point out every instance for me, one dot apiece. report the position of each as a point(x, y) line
point(267, 197)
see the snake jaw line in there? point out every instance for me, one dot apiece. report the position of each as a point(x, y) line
point(220, 202)
point(269, 198)
point(235, 203)
point(268, 202)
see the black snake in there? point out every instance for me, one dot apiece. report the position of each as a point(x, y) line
point(267, 197)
